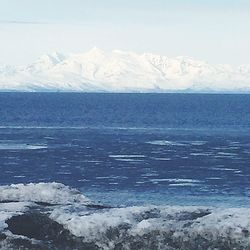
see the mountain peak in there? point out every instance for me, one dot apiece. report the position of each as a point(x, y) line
point(52, 58)
point(95, 51)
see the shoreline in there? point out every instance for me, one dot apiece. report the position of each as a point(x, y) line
point(52, 215)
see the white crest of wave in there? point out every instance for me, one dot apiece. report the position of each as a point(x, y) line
point(53, 193)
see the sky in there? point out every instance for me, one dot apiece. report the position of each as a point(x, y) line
point(216, 31)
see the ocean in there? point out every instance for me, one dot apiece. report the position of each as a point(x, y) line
point(133, 159)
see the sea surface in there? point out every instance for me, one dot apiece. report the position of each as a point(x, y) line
point(124, 171)
point(130, 149)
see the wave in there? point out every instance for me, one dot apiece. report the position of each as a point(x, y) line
point(54, 216)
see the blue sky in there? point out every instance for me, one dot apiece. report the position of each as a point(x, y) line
point(213, 30)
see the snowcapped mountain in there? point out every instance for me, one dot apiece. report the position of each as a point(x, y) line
point(122, 71)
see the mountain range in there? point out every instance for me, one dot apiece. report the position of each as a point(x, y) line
point(123, 71)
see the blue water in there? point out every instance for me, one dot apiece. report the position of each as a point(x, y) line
point(127, 149)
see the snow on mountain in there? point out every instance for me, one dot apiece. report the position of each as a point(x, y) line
point(123, 71)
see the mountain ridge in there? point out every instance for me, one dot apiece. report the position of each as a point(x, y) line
point(123, 71)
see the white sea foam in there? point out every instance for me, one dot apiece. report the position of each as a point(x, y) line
point(225, 169)
point(127, 156)
point(214, 178)
point(20, 146)
point(177, 180)
point(166, 143)
point(184, 184)
point(198, 143)
point(161, 159)
point(139, 221)
point(201, 154)
point(54, 193)
point(129, 160)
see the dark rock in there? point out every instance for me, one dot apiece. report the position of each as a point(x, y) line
point(45, 204)
point(97, 206)
point(183, 216)
point(39, 203)
point(2, 236)
point(246, 232)
point(35, 225)
point(40, 227)
point(26, 244)
point(7, 201)
point(153, 213)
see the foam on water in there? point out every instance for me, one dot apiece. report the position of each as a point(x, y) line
point(127, 156)
point(54, 193)
point(166, 143)
point(20, 146)
point(180, 180)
